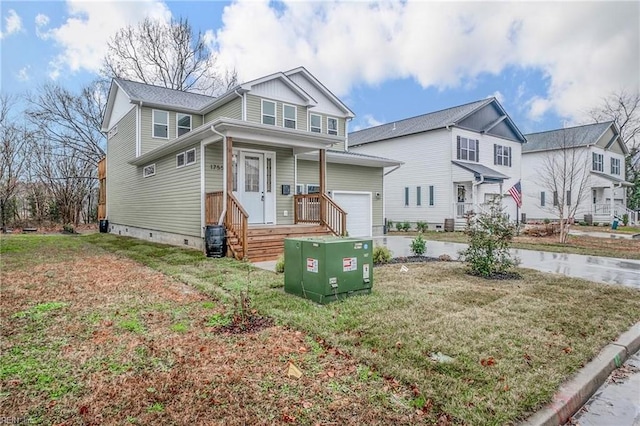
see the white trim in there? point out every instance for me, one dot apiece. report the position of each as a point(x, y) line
point(346, 134)
point(317, 115)
point(337, 128)
point(178, 114)
point(295, 174)
point(138, 124)
point(306, 188)
point(153, 123)
point(295, 116)
point(184, 160)
point(144, 170)
point(186, 157)
point(203, 190)
point(275, 112)
point(338, 192)
point(244, 106)
point(274, 180)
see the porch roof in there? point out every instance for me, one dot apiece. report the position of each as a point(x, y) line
point(242, 131)
point(357, 159)
point(479, 170)
point(611, 178)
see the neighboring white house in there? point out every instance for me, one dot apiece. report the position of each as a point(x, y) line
point(455, 161)
point(597, 150)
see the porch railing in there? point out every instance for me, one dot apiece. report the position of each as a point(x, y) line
point(236, 220)
point(320, 209)
point(463, 208)
point(604, 209)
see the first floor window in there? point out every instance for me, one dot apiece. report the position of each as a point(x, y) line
point(568, 198)
point(598, 162)
point(289, 116)
point(268, 112)
point(418, 196)
point(315, 123)
point(542, 199)
point(555, 198)
point(332, 126)
point(432, 195)
point(406, 196)
point(615, 166)
point(501, 155)
point(160, 124)
point(180, 160)
point(468, 149)
point(184, 123)
point(313, 189)
point(190, 156)
point(149, 170)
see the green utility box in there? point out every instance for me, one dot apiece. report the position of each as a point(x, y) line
point(325, 269)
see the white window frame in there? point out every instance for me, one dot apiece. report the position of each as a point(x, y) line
point(312, 185)
point(184, 160)
point(178, 126)
point(153, 124)
point(299, 189)
point(502, 155)
point(275, 112)
point(186, 157)
point(329, 130)
point(468, 149)
point(597, 162)
point(145, 169)
point(285, 119)
point(312, 127)
point(615, 170)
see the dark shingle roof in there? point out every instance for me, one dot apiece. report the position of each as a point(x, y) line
point(162, 96)
point(571, 136)
point(421, 123)
point(479, 169)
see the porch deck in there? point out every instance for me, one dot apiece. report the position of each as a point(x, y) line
point(266, 242)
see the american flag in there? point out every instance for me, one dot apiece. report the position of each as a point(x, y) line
point(516, 193)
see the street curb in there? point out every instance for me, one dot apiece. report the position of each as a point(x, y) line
point(576, 392)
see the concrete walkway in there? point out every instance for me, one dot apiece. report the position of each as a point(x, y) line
point(593, 268)
point(604, 234)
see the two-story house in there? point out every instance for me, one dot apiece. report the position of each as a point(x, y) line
point(594, 178)
point(266, 159)
point(455, 161)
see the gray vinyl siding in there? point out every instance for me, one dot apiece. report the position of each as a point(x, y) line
point(148, 142)
point(232, 109)
point(284, 175)
point(346, 177)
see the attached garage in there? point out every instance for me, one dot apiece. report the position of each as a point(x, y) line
point(358, 206)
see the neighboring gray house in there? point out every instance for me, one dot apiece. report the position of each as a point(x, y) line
point(455, 161)
point(599, 153)
point(267, 159)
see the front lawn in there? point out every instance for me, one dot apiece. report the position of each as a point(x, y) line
point(91, 335)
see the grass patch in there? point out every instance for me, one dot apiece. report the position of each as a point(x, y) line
point(427, 343)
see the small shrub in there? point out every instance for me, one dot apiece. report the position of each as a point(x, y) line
point(280, 264)
point(381, 254)
point(444, 258)
point(68, 229)
point(406, 226)
point(389, 224)
point(399, 226)
point(583, 224)
point(606, 225)
point(418, 245)
point(546, 221)
point(625, 219)
point(422, 226)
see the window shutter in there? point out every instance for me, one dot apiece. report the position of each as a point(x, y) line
point(406, 195)
point(555, 198)
point(568, 198)
point(542, 199)
point(509, 156)
point(495, 154)
point(431, 195)
point(418, 196)
point(459, 153)
point(477, 151)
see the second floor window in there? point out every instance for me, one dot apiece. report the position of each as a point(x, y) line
point(615, 166)
point(502, 155)
point(289, 116)
point(598, 162)
point(468, 149)
point(268, 112)
point(332, 126)
point(160, 124)
point(315, 123)
point(184, 123)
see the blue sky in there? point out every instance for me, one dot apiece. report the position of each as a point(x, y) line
point(547, 63)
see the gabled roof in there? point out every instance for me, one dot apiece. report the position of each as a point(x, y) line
point(321, 87)
point(161, 96)
point(431, 121)
point(585, 135)
point(287, 81)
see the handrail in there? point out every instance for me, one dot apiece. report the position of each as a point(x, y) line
point(320, 209)
point(237, 222)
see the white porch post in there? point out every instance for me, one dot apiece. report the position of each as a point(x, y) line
point(501, 193)
point(612, 201)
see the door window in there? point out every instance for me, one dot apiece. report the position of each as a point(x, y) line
point(251, 174)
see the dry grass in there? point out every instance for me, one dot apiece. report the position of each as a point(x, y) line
point(92, 337)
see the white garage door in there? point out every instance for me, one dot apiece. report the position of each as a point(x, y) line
point(358, 208)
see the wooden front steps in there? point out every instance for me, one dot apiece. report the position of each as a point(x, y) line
point(267, 242)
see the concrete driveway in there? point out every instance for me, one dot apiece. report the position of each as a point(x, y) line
point(594, 268)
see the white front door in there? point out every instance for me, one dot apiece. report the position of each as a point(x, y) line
point(251, 185)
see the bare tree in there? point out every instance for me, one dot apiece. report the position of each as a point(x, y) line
point(72, 121)
point(167, 54)
point(623, 107)
point(14, 146)
point(565, 173)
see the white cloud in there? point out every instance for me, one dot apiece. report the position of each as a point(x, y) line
point(12, 24)
point(498, 95)
point(23, 74)
point(84, 35)
point(585, 49)
point(42, 21)
point(367, 121)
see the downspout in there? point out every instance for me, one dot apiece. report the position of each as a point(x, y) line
point(474, 189)
point(224, 175)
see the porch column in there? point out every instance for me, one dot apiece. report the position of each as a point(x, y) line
point(612, 200)
point(323, 173)
point(229, 165)
point(501, 193)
